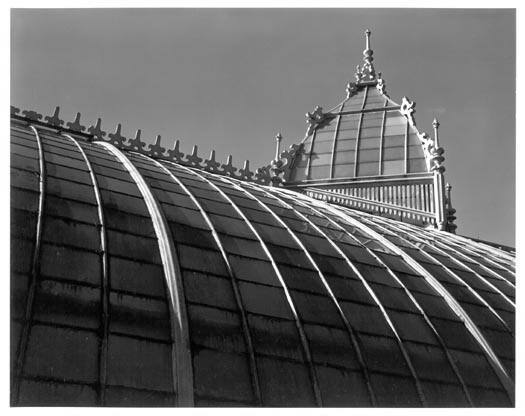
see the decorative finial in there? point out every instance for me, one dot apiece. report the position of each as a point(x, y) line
point(55, 120)
point(211, 164)
point(278, 138)
point(381, 85)
point(245, 172)
point(366, 72)
point(367, 34)
point(194, 159)
point(117, 138)
point(96, 130)
point(136, 144)
point(450, 211)
point(175, 154)
point(75, 125)
point(228, 169)
point(435, 124)
point(156, 149)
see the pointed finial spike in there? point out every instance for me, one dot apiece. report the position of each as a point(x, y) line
point(96, 130)
point(54, 120)
point(212, 155)
point(119, 128)
point(435, 124)
point(278, 139)
point(137, 134)
point(157, 140)
point(246, 164)
point(367, 34)
point(229, 160)
point(76, 126)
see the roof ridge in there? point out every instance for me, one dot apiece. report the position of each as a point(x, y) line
point(262, 175)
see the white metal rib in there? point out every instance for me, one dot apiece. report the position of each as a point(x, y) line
point(449, 271)
point(300, 329)
point(436, 244)
point(358, 136)
point(485, 247)
point(486, 257)
point(233, 279)
point(349, 328)
point(309, 164)
point(181, 354)
point(500, 371)
point(382, 140)
point(105, 274)
point(336, 134)
point(35, 270)
point(410, 296)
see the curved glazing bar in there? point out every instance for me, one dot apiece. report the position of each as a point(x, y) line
point(317, 268)
point(480, 258)
point(455, 276)
point(409, 295)
point(483, 247)
point(35, 270)
point(302, 336)
point(450, 272)
point(474, 330)
point(103, 359)
point(181, 354)
point(465, 264)
point(235, 288)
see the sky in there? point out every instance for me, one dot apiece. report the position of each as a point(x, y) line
point(230, 79)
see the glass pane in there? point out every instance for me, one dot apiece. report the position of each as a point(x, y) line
point(140, 316)
point(265, 300)
point(216, 329)
point(222, 375)
point(392, 391)
point(284, 383)
point(43, 393)
point(61, 353)
point(136, 277)
point(275, 337)
point(340, 388)
point(368, 169)
point(139, 364)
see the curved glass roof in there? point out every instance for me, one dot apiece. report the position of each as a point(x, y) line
point(139, 281)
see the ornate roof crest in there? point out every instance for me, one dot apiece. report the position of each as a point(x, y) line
point(366, 72)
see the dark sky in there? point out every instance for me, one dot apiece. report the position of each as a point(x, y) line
point(229, 79)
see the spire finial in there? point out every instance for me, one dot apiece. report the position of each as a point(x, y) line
point(278, 138)
point(366, 72)
point(435, 124)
